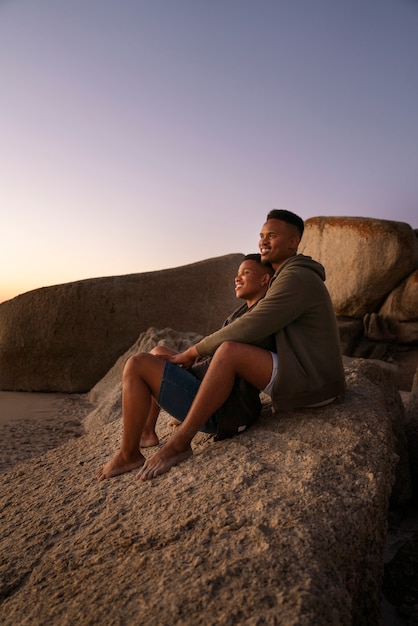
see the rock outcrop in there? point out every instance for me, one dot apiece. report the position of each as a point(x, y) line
point(371, 268)
point(65, 338)
point(107, 393)
point(397, 318)
point(365, 259)
point(284, 524)
point(411, 427)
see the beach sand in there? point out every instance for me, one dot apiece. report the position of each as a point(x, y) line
point(33, 423)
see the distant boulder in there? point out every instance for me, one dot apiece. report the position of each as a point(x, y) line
point(66, 337)
point(364, 259)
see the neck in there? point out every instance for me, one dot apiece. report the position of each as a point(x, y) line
point(253, 301)
point(276, 266)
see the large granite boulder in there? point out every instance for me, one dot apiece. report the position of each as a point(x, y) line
point(284, 524)
point(364, 258)
point(65, 338)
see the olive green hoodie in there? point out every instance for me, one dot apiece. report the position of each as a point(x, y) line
point(297, 309)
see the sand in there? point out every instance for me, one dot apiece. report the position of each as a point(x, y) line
point(33, 423)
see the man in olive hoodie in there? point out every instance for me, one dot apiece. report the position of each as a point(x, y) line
point(298, 310)
point(306, 369)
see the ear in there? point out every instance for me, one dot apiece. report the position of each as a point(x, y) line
point(265, 279)
point(294, 242)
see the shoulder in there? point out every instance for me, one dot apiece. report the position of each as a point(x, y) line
point(235, 314)
point(299, 265)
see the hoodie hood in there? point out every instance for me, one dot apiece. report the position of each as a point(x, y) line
point(300, 260)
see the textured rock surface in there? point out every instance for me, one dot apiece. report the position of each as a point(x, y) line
point(397, 319)
point(402, 304)
point(106, 394)
point(364, 258)
point(65, 338)
point(411, 406)
point(282, 525)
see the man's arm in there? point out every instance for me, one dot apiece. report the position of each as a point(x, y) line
point(186, 358)
point(290, 294)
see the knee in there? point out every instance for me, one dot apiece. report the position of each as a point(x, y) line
point(228, 350)
point(158, 350)
point(134, 364)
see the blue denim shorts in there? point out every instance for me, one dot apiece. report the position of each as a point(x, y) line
point(177, 391)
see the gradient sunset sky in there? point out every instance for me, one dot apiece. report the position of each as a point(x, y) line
point(142, 135)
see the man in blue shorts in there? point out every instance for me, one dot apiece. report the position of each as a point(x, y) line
point(150, 381)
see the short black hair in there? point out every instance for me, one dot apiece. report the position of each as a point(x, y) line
point(253, 257)
point(256, 256)
point(288, 217)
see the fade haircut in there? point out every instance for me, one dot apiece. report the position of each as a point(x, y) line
point(288, 217)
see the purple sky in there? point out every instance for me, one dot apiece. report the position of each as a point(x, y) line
point(141, 135)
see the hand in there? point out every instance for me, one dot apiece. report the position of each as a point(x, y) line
point(184, 359)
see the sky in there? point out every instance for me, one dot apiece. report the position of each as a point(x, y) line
point(139, 135)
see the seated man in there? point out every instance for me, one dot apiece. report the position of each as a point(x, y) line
point(141, 398)
point(306, 369)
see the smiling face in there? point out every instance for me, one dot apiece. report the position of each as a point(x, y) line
point(251, 281)
point(278, 242)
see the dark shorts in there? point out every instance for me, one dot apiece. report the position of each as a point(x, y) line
point(177, 391)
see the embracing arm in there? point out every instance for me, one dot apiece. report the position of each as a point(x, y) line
point(289, 296)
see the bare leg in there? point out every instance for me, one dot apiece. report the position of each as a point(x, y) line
point(149, 436)
point(141, 380)
point(231, 359)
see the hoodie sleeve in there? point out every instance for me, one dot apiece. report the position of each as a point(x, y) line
point(291, 293)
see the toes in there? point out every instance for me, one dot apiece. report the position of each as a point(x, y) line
point(147, 472)
point(144, 474)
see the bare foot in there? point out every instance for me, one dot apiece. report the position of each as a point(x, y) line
point(148, 440)
point(120, 464)
point(174, 422)
point(163, 460)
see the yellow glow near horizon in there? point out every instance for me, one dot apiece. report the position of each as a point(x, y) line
point(162, 138)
